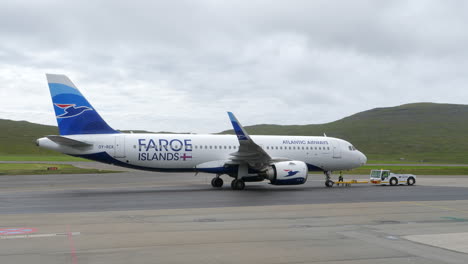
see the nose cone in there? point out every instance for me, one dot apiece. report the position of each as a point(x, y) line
point(362, 158)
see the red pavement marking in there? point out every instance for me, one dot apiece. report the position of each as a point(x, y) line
point(72, 247)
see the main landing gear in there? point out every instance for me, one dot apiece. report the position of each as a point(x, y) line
point(217, 182)
point(237, 184)
point(328, 182)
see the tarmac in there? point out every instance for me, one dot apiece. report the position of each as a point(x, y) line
point(143, 217)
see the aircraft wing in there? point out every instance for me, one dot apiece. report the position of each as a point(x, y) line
point(248, 152)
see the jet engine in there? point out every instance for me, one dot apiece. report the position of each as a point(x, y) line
point(287, 173)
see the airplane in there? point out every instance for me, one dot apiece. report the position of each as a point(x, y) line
point(282, 160)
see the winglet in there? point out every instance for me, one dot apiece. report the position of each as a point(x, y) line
point(238, 129)
point(248, 150)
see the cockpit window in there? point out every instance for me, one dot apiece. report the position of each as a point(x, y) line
point(352, 148)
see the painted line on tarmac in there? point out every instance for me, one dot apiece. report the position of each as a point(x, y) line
point(440, 207)
point(72, 246)
point(41, 235)
point(17, 231)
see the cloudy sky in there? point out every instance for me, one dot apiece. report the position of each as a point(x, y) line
point(180, 65)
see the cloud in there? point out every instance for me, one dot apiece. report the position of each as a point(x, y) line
point(179, 65)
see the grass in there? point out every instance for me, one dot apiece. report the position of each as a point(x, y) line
point(370, 162)
point(39, 158)
point(416, 170)
point(34, 169)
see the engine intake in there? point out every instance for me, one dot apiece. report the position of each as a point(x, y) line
point(287, 173)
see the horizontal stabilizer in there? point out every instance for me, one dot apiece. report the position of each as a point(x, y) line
point(68, 142)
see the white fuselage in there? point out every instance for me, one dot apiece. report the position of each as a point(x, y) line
point(184, 152)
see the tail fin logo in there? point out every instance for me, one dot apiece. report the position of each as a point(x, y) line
point(71, 110)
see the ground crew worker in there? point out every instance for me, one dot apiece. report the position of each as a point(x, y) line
point(340, 179)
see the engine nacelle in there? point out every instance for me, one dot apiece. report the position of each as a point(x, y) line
point(287, 173)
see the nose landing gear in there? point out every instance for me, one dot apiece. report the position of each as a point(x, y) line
point(328, 182)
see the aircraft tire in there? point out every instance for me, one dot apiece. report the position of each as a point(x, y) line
point(217, 182)
point(213, 182)
point(237, 184)
point(329, 183)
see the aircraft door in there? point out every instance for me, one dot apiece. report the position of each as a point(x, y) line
point(336, 149)
point(119, 146)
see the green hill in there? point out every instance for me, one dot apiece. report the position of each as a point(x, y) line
point(414, 132)
point(19, 137)
point(18, 141)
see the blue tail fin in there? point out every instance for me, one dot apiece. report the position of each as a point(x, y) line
point(74, 113)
